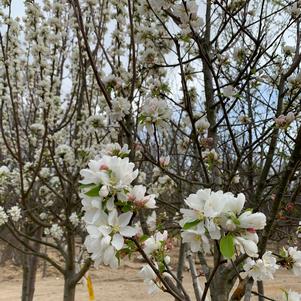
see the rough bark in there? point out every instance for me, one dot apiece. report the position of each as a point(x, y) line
point(221, 285)
point(69, 289)
point(30, 266)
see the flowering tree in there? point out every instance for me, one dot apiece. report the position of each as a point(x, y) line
point(206, 96)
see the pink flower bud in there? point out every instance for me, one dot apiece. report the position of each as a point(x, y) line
point(103, 167)
point(251, 230)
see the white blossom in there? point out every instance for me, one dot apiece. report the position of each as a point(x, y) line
point(138, 197)
point(150, 278)
point(154, 111)
point(154, 243)
point(3, 216)
point(56, 231)
point(295, 255)
point(196, 239)
point(164, 161)
point(247, 244)
point(113, 174)
point(114, 149)
point(151, 221)
point(37, 128)
point(4, 171)
point(15, 213)
point(229, 91)
point(74, 219)
point(202, 125)
point(263, 268)
point(65, 152)
point(106, 236)
point(249, 220)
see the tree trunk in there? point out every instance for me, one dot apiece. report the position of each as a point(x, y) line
point(30, 266)
point(221, 286)
point(69, 290)
point(25, 268)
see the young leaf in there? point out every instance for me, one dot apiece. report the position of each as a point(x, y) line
point(235, 220)
point(81, 186)
point(226, 246)
point(143, 238)
point(191, 224)
point(94, 191)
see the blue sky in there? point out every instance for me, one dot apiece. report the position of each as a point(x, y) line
point(18, 8)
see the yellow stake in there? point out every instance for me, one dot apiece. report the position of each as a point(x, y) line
point(90, 288)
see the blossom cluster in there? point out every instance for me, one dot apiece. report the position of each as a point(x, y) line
point(219, 216)
point(283, 121)
point(264, 268)
point(154, 112)
point(110, 202)
point(14, 213)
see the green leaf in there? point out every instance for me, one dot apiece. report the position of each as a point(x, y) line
point(191, 224)
point(161, 267)
point(141, 118)
point(143, 238)
point(226, 246)
point(94, 191)
point(283, 252)
point(235, 220)
point(81, 186)
point(126, 207)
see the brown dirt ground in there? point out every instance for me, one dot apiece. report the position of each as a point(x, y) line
point(123, 284)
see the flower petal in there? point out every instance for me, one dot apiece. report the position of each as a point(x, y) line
point(128, 231)
point(118, 241)
point(125, 218)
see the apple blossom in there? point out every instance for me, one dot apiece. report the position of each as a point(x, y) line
point(154, 112)
point(249, 220)
point(15, 213)
point(65, 152)
point(196, 239)
point(74, 219)
point(246, 245)
point(114, 149)
point(202, 125)
point(56, 231)
point(294, 255)
point(139, 199)
point(92, 207)
point(164, 161)
point(228, 91)
point(294, 10)
point(113, 174)
point(120, 107)
point(3, 216)
point(155, 242)
point(210, 156)
point(283, 121)
point(263, 268)
point(4, 170)
point(37, 128)
point(150, 278)
point(152, 221)
point(288, 50)
point(106, 237)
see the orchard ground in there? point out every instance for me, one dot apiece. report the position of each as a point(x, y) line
point(123, 284)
